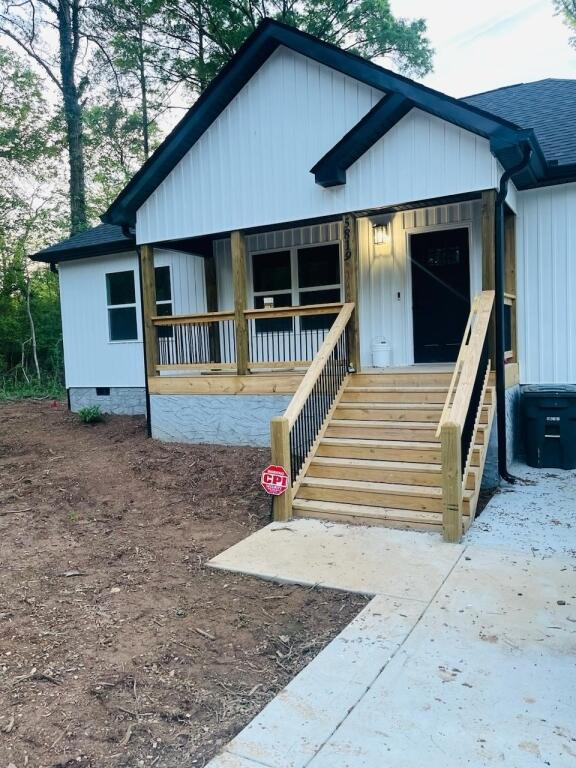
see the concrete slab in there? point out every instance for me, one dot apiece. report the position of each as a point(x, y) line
point(485, 678)
point(464, 658)
point(292, 728)
point(402, 564)
point(227, 760)
point(536, 515)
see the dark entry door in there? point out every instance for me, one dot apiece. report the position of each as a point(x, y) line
point(440, 293)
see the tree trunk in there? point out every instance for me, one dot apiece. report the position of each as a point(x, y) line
point(143, 93)
point(201, 57)
point(32, 327)
point(69, 37)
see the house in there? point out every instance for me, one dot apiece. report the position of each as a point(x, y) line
point(313, 218)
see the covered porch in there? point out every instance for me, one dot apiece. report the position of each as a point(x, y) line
point(270, 296)
point(292, 315)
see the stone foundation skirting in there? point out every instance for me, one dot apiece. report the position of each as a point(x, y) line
point(220, 419)
point(123, 401)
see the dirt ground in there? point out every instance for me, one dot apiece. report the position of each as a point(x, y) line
point(118, 646)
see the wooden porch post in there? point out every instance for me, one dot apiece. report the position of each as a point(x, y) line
point(148, 307)
point(238, 247)
point(211, 283)
point(280, 445)
point(450, 439)
point(351, 259)
point(489, 257)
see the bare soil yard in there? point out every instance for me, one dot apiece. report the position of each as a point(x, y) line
point(118, 646)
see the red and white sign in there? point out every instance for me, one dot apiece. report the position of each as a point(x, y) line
point(274, 480)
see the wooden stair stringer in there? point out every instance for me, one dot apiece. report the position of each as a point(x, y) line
point(488, 393)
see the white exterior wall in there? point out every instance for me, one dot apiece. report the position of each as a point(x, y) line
point(546, 285)
point(252, 166)
point(90, 358)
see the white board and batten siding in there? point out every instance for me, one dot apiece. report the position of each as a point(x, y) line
point(546, 285)
point(90, 358)
point(251, 168)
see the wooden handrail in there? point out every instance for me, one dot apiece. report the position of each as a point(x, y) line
point(250, 314)
point(466, 368)
point(280, 426)
point(203, 317)
point(306, 309)
point(455, 411)
point(312, 374)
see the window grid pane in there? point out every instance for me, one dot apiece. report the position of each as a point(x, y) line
point(163, 287)
point(319, 265)
point(271, 271)
point(120, 288)
point(122, 324)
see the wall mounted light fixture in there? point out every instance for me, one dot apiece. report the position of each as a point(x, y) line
point(381, 233)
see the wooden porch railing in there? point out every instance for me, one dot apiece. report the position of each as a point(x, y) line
point(458, 421)
point(266, 338)
point(295, 435)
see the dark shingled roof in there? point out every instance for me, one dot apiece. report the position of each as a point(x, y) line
point(547, 106)
point(98, 241)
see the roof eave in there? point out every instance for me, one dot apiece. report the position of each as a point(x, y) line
point(82, 252)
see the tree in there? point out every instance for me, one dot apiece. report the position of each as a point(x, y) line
point(31, 213)
point(26, 25)
point(114, 149)
point(136, 50)
point(206, 33)
point(567, 9)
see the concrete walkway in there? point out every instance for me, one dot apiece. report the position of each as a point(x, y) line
point(464, 657)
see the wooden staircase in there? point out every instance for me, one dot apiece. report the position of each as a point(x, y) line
point(378, 460)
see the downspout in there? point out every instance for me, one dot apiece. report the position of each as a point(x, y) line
point(499, 268)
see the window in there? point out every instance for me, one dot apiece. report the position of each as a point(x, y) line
point(319, 282)
point(121, 300)
point(163, 299)
point(297, 276)
point(272, 277)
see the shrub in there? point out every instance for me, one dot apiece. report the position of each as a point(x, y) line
point(90, 415)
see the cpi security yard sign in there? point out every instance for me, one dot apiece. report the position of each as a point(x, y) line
point(274, 480)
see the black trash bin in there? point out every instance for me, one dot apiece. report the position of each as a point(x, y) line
point(549, 414)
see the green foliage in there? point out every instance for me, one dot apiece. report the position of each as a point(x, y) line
point(90, 415)
point(206, 35)
point(137, 57)
point(46, 389)
point(113, 140)
point(567, 9)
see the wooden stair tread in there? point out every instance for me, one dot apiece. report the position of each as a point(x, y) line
point(386, 425)
point(408, 466)
point(400, 388)
point(370, 485)
point(362, 510)
point(367, 443)
point(390, 406)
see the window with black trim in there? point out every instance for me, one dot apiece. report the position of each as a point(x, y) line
point(297, 277)
point(121, 303)
point(163, 299)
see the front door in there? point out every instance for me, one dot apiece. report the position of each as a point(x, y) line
point(440, 293)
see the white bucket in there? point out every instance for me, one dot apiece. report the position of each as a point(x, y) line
point(381, 353)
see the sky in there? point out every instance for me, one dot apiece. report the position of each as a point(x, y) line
point(485, 44)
